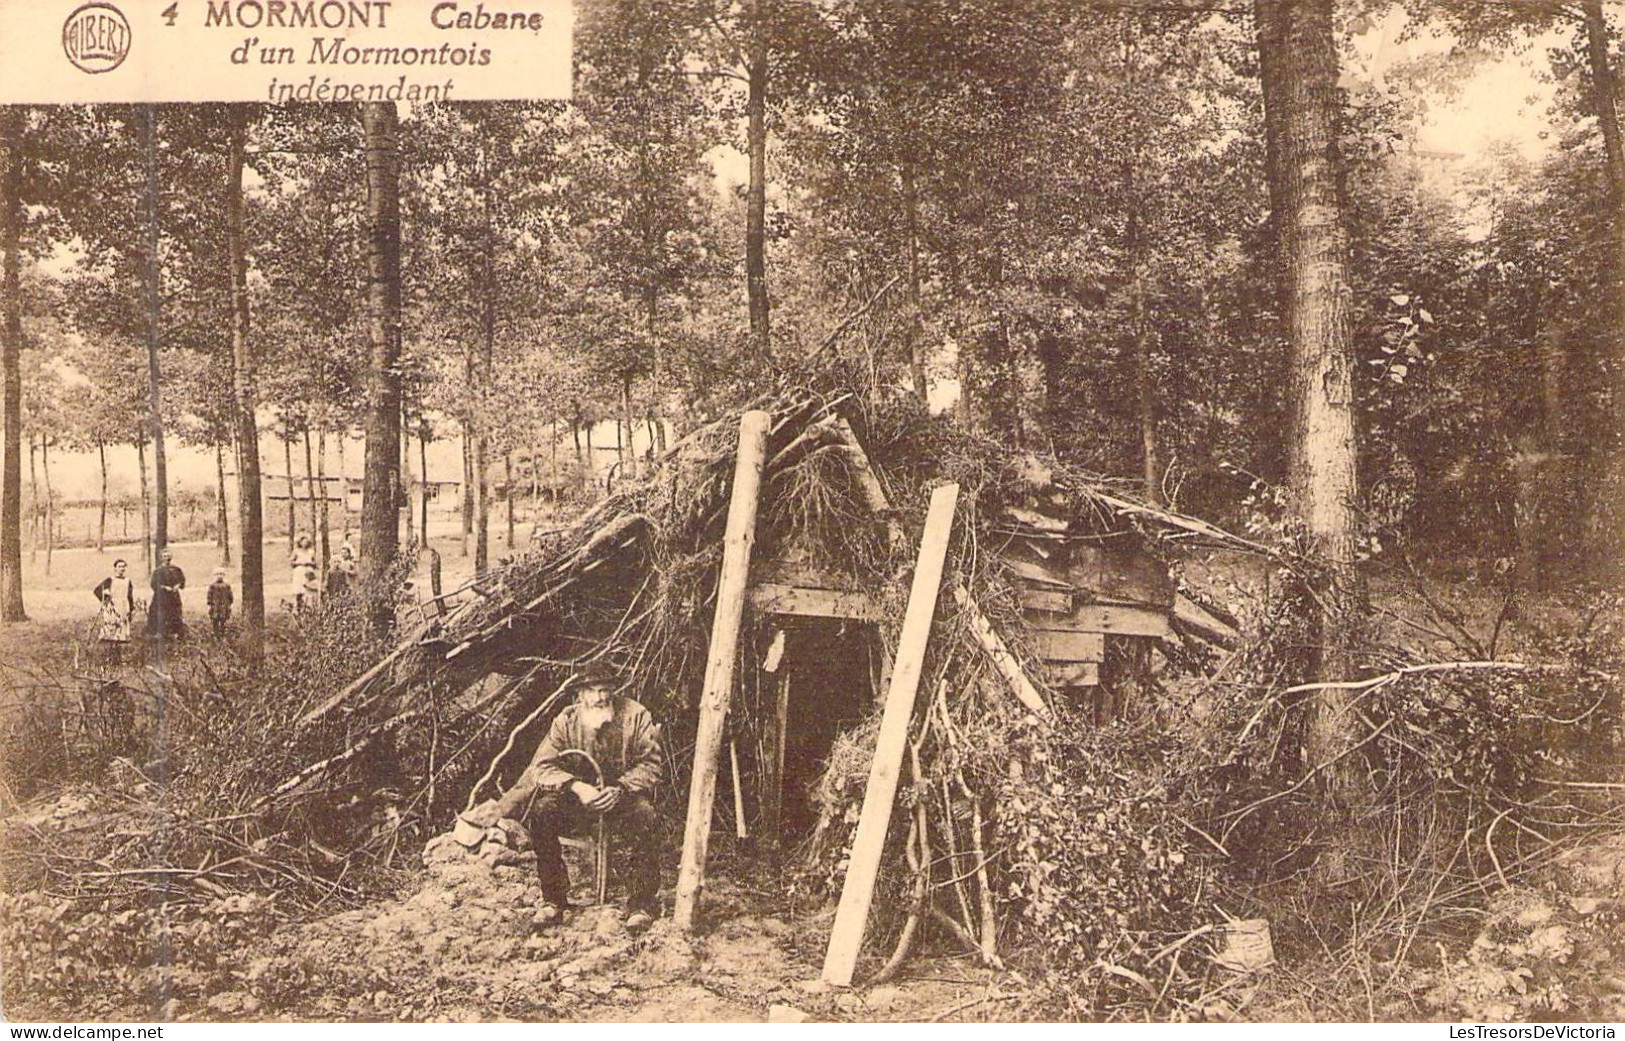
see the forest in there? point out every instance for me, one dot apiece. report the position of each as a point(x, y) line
point(1201, 266)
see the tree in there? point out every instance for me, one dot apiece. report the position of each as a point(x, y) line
point(11, 352)
point(154, 296)
point(1299, 74)
point(380, 519)
point(244, 367)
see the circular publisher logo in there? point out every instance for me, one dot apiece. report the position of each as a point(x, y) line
point(96, 37)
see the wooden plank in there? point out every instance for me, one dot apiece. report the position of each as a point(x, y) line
point(1034, 572)
point(873, 493)
point(1116, 619)
point(732, 586)
point(1204, 623)
point(777, 598)
point(1052, 600)
point(852, 916)
point(1035, 520)
point(1055, 645)
point(1129, 573)
point(1000, 655)
point(1074, 674)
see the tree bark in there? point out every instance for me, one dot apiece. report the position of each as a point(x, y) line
point(406, 477)
point(310, 484)
point(507, 473)
point(380, 517)
point(756, 195)
point(466, 500)
point(160, 465)
point(581, 466)
point(1607, 522)
point(293, 494)
point(11, 362)
point(324, 526)
point(146, 505)
point(1150, 405)
point(629, 455)
point(50, 501)
point(101, 519)
point(221, 508)
point(423, 469)
point(916, 328)
point(1299, 51)
point(33, 497)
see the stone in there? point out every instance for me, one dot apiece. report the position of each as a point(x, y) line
point(813, 986)
point(882, 998)
point(786, 1014)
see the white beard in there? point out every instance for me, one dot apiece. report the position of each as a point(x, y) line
point(596, 716)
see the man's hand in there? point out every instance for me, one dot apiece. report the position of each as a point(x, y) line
point(585, 793)
point(607, 799)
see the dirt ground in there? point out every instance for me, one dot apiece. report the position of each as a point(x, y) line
point(462, 947)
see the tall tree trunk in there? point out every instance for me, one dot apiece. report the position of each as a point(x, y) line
point(1150, 405)
point(160, 465)
point(406, 477)
point(467, 498)
point(293, 494)
point(916, 326)
point(33, 497)
point(581, 466)
point(380, 515)
point(325, 526)
point(310, 484)
point(146, 505)
point(657, 350)
point(756, 195)
point(630, 464)
point(1607, 521)
point(553, 463)
point(50, 501)
point(222, 510)
point(11, 362)
point(101, 517)
point(423, 496)
point(481, 387)
point(507, 473)
point(1300, 54)
point(591, 470)
point(244, 372)
point(536, 480)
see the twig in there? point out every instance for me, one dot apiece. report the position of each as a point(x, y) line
point(972, 1003)
point(845, 323)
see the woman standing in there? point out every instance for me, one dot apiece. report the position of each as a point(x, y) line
point(116, 594)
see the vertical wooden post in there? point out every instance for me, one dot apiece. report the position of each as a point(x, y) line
point(719, 666)
point(852, 916)
point(781, 735)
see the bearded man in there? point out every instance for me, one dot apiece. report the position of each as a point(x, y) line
point(601, 759)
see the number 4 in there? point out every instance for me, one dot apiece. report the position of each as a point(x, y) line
point(169, 14)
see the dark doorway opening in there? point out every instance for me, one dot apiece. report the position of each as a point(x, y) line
point(829, 670)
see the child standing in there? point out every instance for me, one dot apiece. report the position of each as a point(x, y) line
point(220, 600)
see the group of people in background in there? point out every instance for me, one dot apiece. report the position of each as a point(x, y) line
point(165, 612)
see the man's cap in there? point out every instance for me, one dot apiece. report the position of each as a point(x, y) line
point(592, 673)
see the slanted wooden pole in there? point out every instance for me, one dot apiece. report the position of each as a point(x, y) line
point(852, 916)
point(993, 646)
point(719, 666)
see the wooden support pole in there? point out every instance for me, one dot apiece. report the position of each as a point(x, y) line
point(719, 666)
point(740, 830)
point(781, 736)
point(993, 646)
point(852, 916)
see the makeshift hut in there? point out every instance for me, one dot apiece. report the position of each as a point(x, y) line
point(764, 592)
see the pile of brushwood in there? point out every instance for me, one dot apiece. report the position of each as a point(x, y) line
point(1099, 863)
